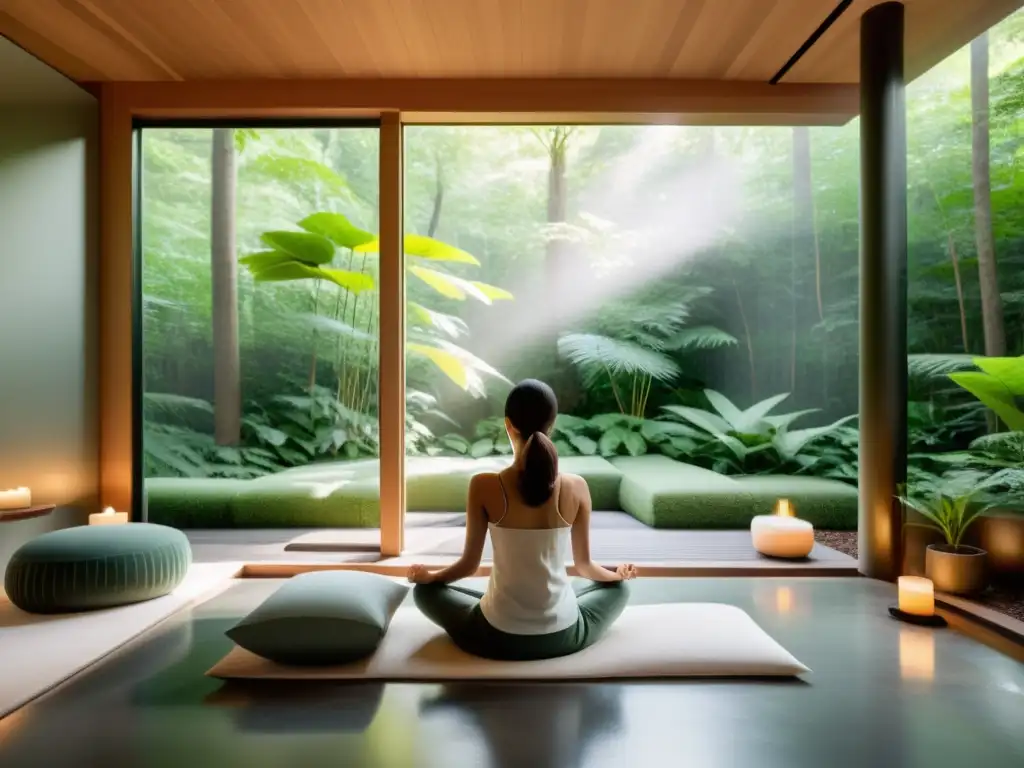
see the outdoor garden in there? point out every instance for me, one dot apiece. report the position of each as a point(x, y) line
point(691, 293)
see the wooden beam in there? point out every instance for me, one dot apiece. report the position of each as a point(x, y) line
point(391, 388)
point(116, 298)
point(501, 100)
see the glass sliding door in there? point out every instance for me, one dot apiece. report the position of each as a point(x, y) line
point(259, 325)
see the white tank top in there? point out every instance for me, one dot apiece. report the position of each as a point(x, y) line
point(529, 592)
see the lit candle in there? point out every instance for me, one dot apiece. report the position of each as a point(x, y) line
point(782, 534)
point(917, 595)
point(108, 517)
point(15, 498)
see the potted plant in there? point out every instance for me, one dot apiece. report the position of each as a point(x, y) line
point(953, 566)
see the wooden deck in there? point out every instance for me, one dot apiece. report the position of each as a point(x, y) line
point(436, 538)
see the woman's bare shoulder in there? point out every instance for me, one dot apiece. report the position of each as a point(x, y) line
point(576, 483)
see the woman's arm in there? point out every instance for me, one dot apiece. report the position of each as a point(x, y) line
point(586, 567)
point(472, 551)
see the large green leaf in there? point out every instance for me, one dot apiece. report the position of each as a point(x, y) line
point(709, 422)
point(492, 292)
point(356, 282)
point(264, 259)
point(755, 415)
point(726, 410)
point(612, 439)
point(425, 248)
point(450, 325)
point(665, 430)
point(448, 285)
point(583, 444)
point(789, 444)
point(302, 246)
point(783, 420)
point(449, 364)
point(286, 272)
point(336, 228)
point(999, 385)
point(481, 448)
point(635, 444)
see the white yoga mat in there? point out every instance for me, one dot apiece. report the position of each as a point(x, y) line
point(647, 641)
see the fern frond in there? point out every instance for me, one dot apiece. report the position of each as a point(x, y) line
point(936, 366)
point(700, 337)
point(617, 357)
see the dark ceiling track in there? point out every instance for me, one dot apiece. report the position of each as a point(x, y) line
point(838, 11)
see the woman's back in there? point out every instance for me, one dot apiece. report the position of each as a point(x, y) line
point(529, 591)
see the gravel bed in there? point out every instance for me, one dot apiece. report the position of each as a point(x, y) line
point(1004, 598)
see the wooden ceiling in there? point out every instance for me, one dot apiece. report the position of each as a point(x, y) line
point(750, 40)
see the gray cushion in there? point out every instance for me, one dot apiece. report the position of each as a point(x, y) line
point(321, 618)
point(90, 567)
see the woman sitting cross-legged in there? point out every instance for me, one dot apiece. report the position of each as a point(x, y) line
point(530, 609)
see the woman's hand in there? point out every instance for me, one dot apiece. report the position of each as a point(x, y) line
point(418, 574)
point(626, 571)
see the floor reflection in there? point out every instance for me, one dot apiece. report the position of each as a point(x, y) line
point(537, 725)
point(273, 706)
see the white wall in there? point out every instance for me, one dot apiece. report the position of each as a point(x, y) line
point(48, 433)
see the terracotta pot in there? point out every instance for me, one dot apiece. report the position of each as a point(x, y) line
point(1001, 534)
point(956, 570)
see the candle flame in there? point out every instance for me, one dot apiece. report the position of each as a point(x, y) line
point(108, 511)
point(783, 508)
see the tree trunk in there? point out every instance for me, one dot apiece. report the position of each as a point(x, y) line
point(435, 214)
point(959, 291)
point(227, 387)
point(988, 277)
point(804, 245)
point(557, 273)
point(751, 359)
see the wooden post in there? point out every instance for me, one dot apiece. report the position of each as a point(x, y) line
point(117, 428)
point(883, 291)
point(391, 389)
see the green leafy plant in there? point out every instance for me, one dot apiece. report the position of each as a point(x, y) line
point(753, 441)
point(634, 344)
point(948, 506)
point(999, 384)
point(328, 240)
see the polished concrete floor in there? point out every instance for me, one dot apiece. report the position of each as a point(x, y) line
point(881, 694)
point(438, 537)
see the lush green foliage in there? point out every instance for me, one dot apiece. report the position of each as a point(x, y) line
point(763, 302)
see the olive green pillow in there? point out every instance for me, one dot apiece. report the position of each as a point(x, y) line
point(321, 618)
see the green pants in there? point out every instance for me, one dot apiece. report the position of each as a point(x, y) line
point(457, 611)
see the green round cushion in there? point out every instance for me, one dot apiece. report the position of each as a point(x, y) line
point(90, 567)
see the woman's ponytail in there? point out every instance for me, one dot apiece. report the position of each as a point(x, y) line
point(539, 470)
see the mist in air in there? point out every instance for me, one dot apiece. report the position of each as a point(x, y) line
point(631, 223)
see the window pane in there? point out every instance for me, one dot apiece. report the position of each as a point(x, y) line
point(966, 293)
point(690, 293)
point(259, 331)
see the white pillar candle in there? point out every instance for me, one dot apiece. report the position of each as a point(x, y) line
point(108, 517)
point(15, 498)
point(917, 595)
point(782, 536)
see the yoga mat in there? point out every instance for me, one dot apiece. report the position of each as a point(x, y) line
point(647, 641)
